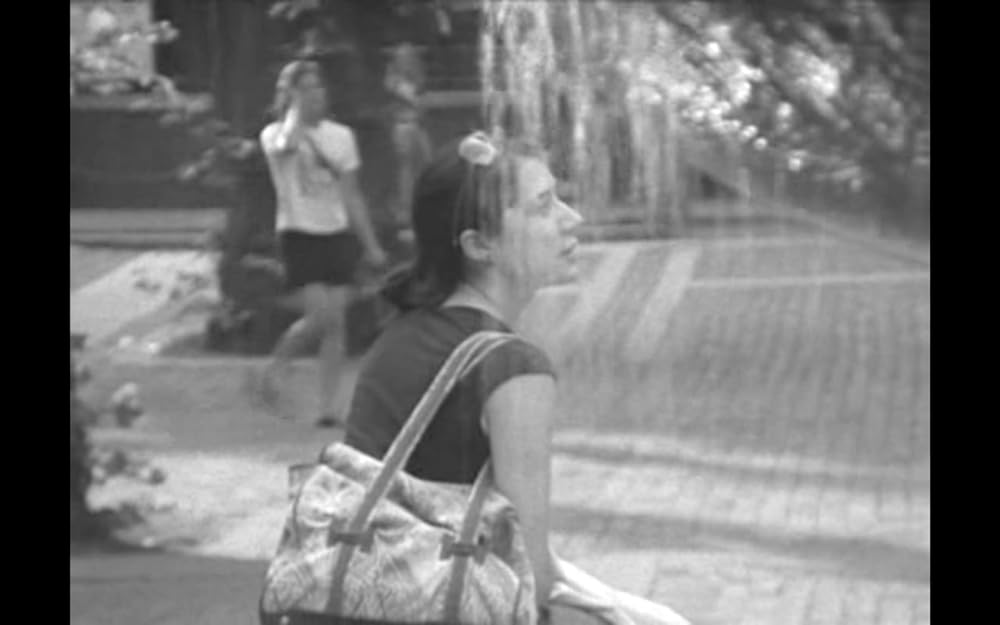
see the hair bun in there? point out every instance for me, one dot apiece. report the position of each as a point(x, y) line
point(478, 149)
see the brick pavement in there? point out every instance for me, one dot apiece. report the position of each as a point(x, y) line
point(766, 462)
point(791, 480)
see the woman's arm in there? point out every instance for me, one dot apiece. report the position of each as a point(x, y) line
point(519, 417)
point(290, 132)
point(360, 219)
point(582, 582)
point(615, 606)
point(340, 156)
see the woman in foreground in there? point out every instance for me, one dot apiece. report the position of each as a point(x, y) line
point(490, 232)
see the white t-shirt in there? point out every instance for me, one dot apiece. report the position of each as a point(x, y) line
point(308, 192)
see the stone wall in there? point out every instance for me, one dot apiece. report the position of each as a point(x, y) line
point(121, 157)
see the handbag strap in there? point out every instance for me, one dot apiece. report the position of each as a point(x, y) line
point(467, 546)
point(462, 359)
point(466, 356)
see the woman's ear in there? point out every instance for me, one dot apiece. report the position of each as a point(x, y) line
point(475, 246)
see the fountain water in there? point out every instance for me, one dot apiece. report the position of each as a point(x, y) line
point(601, 84)
point(617, 93)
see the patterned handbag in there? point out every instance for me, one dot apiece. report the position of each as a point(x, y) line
point(365, 542)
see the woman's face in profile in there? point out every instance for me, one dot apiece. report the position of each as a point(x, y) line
point(537, 245)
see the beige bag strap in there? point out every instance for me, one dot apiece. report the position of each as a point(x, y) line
point(467, 546)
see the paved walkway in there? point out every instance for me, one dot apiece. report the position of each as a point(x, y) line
point(139, 287)
point(745, 436)
point(761, 450)
point(163, 589)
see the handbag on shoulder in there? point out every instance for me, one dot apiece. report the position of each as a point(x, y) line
point(364, 542)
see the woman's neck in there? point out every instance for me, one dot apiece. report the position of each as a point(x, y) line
point(494, 296)
point(306, 121)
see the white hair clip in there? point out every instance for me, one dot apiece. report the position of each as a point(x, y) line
point(477, 149)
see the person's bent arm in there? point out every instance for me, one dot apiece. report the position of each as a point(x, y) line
point(285, 139)
point(519, 417)
point(360, 219)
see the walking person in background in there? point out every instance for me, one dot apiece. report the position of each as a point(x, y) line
point(404, 80)
point(324, 229)
point(490, 232)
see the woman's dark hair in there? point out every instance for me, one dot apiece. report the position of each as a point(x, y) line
point(289, 78)
point(450, 196)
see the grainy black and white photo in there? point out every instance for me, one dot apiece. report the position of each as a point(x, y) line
point(483, 312)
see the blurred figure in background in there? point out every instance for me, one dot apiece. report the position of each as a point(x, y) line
point(324, 229)
point(404, 80)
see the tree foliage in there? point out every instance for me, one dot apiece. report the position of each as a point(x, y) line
point(842, 88)
point(102, 53)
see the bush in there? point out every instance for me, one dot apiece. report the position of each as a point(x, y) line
point(80, 476)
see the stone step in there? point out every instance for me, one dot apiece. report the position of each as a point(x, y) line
point(194, 239)
point(144, 228)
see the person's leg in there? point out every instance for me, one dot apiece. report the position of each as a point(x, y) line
point(332, 355)
point(299, 337)
point(296, 340)
point(413, 153)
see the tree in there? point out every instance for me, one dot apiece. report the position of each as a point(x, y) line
point(843, 89)
point(101, 56)
point(80, 477)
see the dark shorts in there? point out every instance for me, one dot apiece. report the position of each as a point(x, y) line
point(329, 259)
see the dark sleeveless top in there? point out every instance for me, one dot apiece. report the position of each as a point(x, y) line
point(397, 371)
